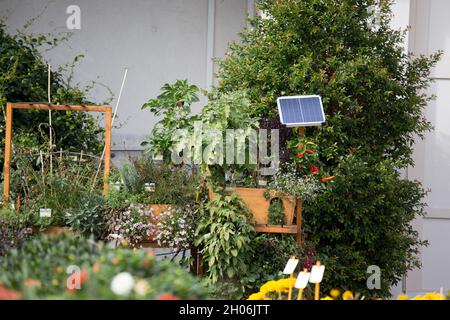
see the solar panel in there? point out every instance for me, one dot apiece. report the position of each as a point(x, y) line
point(301, 111)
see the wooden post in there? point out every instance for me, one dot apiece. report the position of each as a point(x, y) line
point(107, 151)
point(299, 210)
point(291, 276)
point(299, 204)
point(7, 159)
point(194, 265)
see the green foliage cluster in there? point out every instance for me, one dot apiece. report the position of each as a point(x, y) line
point(88, 217)
point(202, 138)
point(371, 227)
point(270, 252)
point(62, 187)
point(23, 78)
point(40, 270)
point(224, 236)
point(172, 185)
point(45, 259)
point(373, 94)
point(276, 212)
point(14, 230)
point(174, 104)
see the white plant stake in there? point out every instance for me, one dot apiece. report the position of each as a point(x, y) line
point(302, 282)
point(45, 213)
point(317, 272)
point(289, 269)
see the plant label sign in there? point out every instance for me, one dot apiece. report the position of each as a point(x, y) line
point(45, 213)
point(150, 187)
point(317, 274)
point(302, 280)
point(290, 266)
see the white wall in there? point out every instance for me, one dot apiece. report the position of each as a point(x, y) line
point(158, 40)
point(431, 32)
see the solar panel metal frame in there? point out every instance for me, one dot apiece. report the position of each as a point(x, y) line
point(300, 124)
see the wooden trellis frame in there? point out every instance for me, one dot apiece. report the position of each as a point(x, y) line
point(46, 106)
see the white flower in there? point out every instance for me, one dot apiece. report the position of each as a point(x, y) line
point(122, 284)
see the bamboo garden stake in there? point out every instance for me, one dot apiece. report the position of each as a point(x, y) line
point(316, 277)
point(289, 269)
point(302, 282)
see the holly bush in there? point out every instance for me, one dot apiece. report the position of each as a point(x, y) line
point(374, 95)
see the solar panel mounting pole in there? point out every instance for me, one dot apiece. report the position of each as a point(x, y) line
point(299, 202)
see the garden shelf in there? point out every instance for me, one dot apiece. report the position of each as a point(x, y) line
point(258, 205)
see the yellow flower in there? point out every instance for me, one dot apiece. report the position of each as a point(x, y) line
point(282, 285)
point(335, 293)
point(402, 297)
point(432, 296)
point(347, 295)
point(270, 286)
point(257, 296)
point(327, 298)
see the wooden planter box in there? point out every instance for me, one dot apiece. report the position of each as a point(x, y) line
point(259, 206)
point(56, 230)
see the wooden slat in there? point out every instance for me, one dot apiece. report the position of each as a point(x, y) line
point(299, 210)
point(60, 107)
point(107, 151)
point(7, 159)
point(276, 228)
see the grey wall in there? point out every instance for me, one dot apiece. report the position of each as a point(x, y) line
point(158, 40)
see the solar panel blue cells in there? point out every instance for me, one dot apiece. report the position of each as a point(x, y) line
point(301, 111)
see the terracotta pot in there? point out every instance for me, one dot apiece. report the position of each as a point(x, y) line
point(259, 206)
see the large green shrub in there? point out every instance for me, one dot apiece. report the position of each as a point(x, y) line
point(23, 78)
point(373, 95)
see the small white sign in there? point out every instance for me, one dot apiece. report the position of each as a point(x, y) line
point(317, 274)
point(150, 187)
point(290, 266)
point(262, 182)
point(158, 157)
point(302, 280)
point(45, 213)
point(116, 186)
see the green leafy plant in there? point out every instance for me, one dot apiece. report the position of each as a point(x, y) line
point(59, 187)
point(88, 218)
point(23, 77)
point(137, 274)
point(374, 94)
point(40, 264)
point(270, 252)
point(174, 105)
point(276, 212)
point(172, 185)
point(289, 183)
point(223, 236)
point(376, 215)
point(132, 181)
point(40, 270)
point(224, 112)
